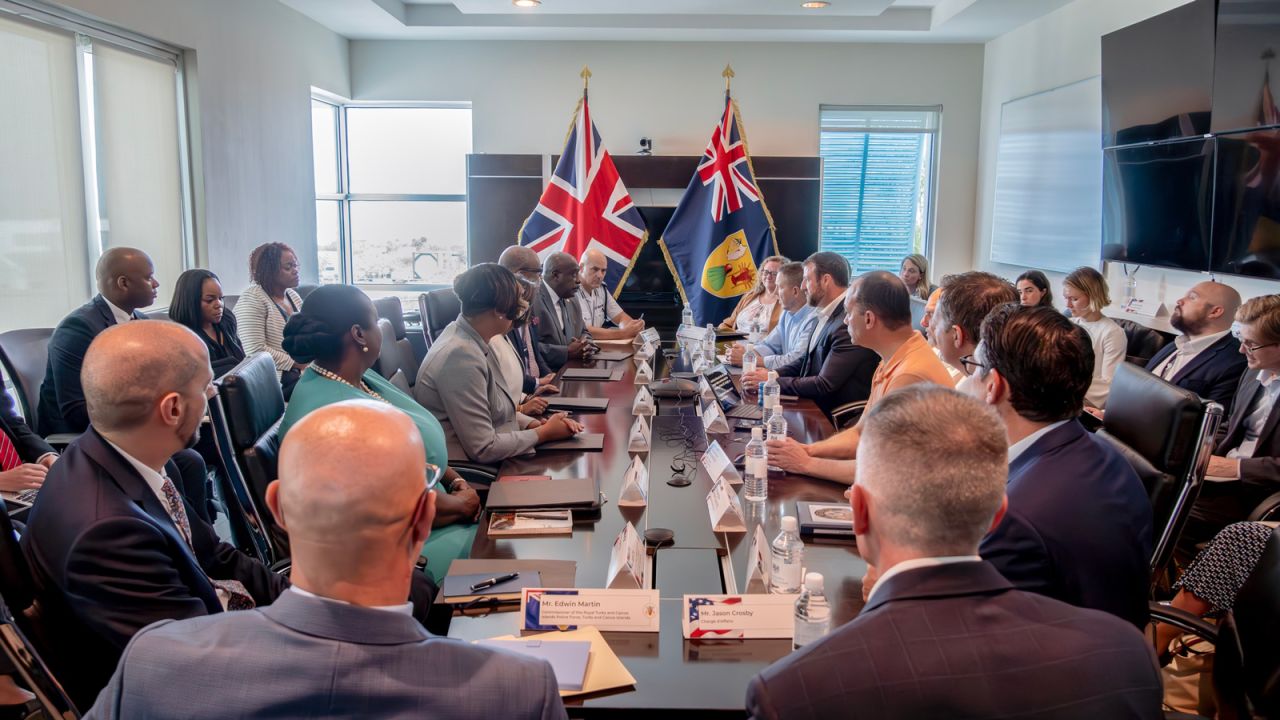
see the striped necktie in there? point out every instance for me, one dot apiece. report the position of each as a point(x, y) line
point(8, 453)
point(238, 598)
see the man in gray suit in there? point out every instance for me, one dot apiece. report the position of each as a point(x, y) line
point(557, 316)
point(341, 642)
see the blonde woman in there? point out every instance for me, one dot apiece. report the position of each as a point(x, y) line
point(1085, 292)
point(914, 272)
point(761, 304)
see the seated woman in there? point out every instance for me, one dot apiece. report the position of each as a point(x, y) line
point(761, 304)
point(914, 271)
point(197, 303)
point(336, 336)
point(267, 305)
point(1085, 292)
point(506, 347)
point(1033, 289)
point(462, 381)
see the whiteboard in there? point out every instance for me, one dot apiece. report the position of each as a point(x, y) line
point(1047, 212)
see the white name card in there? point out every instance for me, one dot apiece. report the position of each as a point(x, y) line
point(643, 354)
point(648, 336)
point(758, 565)
point(627, 567)
point(716, 617)
point(643, 404)
point(713, 419)
point(644, 373)
point(725, 509)
point(694, 334)
point(635, 485)
point(570, 609)
point(717, 464)
point(705, 393)
point(641, 435)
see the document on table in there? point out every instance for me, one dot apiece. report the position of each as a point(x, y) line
point(604, 670)
point(586, 442)
point(577, 403)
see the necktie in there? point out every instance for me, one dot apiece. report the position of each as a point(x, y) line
point(238, 598)
point(564, 317)
point(529, 357)
point(8, 453)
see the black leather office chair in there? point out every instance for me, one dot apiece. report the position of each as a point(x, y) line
point(1144, 342)
point(1246, 665)
point(24, 354)
point(31, 669)
point(390, 309)
point(848, 414)
point(251, 406)
point(439, 308)
point(305, 290)
point(157, 314)
point(1166, 433)
point(229, 302)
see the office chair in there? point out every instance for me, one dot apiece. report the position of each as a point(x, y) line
point(848, 414)
point(1144, 342)
point(24, 354)
point(305, 290)
point(33, 671)
point(439, 308)
point(1166, 433)
point(229, 302)
point(406, 359)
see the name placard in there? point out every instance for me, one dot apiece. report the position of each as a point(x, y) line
point(694, 334)
point(738, 616)
point(627, 567)
point(758, 566)
point(705, 393)
point(647, 336)
point(635, 485)
point(641, 435)
point(644, 373)
point(725, 509)
point(643, 354)
point(643, 404)
point(713, 419)
point(717, 464)
point(570, 609)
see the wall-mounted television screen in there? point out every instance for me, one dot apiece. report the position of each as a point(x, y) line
point(1157, 204)
point(1246, 213)
point(1248, 44)
point(1157, 76)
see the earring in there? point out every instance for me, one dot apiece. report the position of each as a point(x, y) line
point(364, 348)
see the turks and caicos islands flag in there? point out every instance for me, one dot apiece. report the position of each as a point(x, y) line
point(585, 205)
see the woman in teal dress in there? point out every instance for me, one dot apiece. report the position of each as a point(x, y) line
point(337, 333)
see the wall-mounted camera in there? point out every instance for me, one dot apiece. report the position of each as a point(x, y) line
point(646, 146)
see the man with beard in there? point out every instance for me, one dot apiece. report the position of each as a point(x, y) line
point(112, 545)
point(1205, 358)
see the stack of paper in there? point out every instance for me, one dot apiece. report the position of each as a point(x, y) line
point(604, 670)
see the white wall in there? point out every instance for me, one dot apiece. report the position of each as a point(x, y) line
point(1060, 48)
point(251, 71)
point(523, 95)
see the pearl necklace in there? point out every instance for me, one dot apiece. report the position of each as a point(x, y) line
point(338, 378)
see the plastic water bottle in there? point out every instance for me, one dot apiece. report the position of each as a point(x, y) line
point(772, 394)
point(755, 332)
point(813, 614)
point(776, 426)
point(788, 558)
point(755, 485)
point(686, 316)
point(709, 345)
point(750, 359)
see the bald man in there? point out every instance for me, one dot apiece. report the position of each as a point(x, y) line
point(557, 317)
point(111, 544)
point(126, 282)
point(1205, 358)
point(598, 306)
point(340, 642)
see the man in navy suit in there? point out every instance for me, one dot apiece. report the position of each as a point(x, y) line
point(1205, 358)
point(111, 544)
point(1079, 526)
point(943, 634)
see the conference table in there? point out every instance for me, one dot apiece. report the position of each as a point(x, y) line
point(674, 676)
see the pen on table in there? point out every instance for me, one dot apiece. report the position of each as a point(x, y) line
point(541, 516)
point(486, 584)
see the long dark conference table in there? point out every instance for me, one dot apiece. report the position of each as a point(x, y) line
point(687, 678)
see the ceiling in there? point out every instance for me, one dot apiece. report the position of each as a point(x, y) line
point(938, 21)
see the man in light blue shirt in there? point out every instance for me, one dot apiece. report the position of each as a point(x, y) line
point(790, 337)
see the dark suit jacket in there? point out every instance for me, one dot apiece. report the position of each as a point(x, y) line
point(554, 342)
point(29, 445)
point(1214, 374)
point(1221, 503)
point(1079, 525)
point(62, 407)
point(107, 561)
point(957, 641)
point(835, 372)
point(530, 383)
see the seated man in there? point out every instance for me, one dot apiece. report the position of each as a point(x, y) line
point(340, 642)
point(558, 316)
point(597, 303)
point(942, 634)
point(878, 317)
point(537, 375)
point(964, 301)
point(789, 340)
point(1079, 525)
point(1205, 358)
point(111, 544)
point(832, 371)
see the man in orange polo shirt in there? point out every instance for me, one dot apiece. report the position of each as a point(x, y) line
point(878, 315)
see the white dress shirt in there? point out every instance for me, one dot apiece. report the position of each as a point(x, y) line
point(598, 306)
point(121, 316)
point(917, 563)
point(1022, 445)
point(824, 315)
point(555, 303)
point(404, 609)
point(1187, 348)
point(1257, 418)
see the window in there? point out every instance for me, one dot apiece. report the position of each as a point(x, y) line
point(391, 202)
point(878, 170)
point(94, 157)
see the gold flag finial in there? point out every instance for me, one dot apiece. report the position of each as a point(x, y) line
point(727, 75)
point(586, 76)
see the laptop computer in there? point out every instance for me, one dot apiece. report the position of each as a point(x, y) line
point(722, 384)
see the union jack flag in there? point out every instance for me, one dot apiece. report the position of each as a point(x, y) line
point(724, 168)
point(585, 205)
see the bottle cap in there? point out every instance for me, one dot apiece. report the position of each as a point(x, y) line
point(756, 432)
point(773, 375)
point(813, 582)
point(789, 523)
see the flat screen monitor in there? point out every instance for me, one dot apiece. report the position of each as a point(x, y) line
point(650, 278)
point(1246, 213)
point(1244, 96)
point(1157, 76)
point(1157, 204)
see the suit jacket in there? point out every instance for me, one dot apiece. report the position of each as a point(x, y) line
point(1079, 525)
point(320, 659)
point(29, 445)
point(1214, 374)
point(62, 408)
point(107, 561)
point(958, 641)
point(460, 383)
point(835, 371)
point(1222, 503)
point(554, 341)
point(530, 382)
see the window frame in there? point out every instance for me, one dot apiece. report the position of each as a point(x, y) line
point(345, 197)
point(934, 133)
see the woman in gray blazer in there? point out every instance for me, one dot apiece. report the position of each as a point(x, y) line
point(461, 380)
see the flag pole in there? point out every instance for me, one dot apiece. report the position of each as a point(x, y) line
point(728, 77)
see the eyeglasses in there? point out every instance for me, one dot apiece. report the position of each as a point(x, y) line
point(433, 475)
point(972, 365)
point(1251, 349)
point(768, 273)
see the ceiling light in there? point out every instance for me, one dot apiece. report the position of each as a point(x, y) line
point(526, 3)
point(815, 4)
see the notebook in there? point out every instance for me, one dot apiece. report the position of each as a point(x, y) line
point(506, 495)
point(585, 442)
point(457, 588)
point(821, 519)
point(577, 403)
point(604, 671)
point(592, 374)
point(612, 355)
point(531, 522)
point(549, 573)
point(568, 658)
